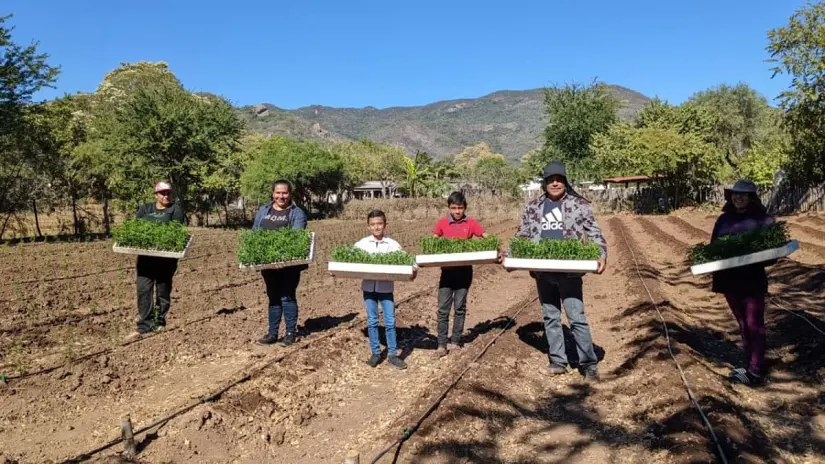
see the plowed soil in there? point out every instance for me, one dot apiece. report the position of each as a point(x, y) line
point(65, 307)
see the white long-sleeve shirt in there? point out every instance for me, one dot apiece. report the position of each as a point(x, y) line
point(372, 245)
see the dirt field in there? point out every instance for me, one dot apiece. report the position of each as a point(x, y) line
point(65, 307)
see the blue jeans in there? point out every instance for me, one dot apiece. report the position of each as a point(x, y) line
point(281, 286)
point(371, 300)
point(555, 289)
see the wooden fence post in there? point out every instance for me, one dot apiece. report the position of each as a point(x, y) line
point(129, 448)
point(352, 457)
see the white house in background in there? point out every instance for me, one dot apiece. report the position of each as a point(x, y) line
point(532, 186)
point(375, 189)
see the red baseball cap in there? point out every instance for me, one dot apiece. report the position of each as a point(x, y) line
point(163, 187)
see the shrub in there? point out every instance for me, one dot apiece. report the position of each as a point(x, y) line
point(729, 246)
point(273, 246)
point(569, 248)
point(150, 235)
point(352, 254)
point(441, 245)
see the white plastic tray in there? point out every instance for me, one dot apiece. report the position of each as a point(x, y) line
point(739, 261)
point(457, 259)
point(370, 271)
point(158, 253)
point(260, 267)
point(551, 265)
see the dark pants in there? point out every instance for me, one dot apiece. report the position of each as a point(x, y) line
point(749, 311)
point(452, 292)
point(281, 285)
point(555, 289)
point(154, 290)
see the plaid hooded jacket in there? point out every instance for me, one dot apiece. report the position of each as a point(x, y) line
point(579, 221)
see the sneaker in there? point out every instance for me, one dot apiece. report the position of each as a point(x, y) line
point(440, 352)
point(267, 340)
point(591, 374)
point(160, 328)
point(374, 360)
point(745, 377)
point(397, 362)
point(132, 336)
point(456, 346)
point(556, 369)
point(289, 339)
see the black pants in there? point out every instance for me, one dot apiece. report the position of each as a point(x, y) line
point(452, 292)
point(154, 290)
point(281, 286)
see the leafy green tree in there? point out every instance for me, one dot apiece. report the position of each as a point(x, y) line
point(313, 170)
point(497, 175)
point(798, 49)
point(575, 114)
point(366, 160)
point(421, 178)
point(742, 118)
point(146, 126)
point(23, 72)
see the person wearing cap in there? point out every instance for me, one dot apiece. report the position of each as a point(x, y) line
point(281, 284)
point(154, 274)
point(745, 287)
point(560, 213)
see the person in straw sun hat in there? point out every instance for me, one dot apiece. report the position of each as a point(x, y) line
point(745, 287)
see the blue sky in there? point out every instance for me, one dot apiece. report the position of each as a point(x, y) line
point(384, 53)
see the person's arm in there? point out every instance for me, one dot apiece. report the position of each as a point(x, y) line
point(141, 211)
point(715, 234)
point(478, 230)
point(594, 234)
point(524, 224)
point(299, 219)
point(177, 214)
point(438, 230)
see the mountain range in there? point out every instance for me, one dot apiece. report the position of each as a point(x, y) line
point(511, 121)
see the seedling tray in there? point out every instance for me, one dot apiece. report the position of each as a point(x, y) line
point(370, 271)
point(551, 265)
point(310, 258)
point(745, 260)
point(457, 259)
point(157, 253)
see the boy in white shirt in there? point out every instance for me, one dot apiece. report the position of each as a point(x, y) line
point(380, 291)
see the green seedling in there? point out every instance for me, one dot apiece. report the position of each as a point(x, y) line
point(273, 246)
point(441, 245)
point(569, 248)
point(148, 235)
point(351, 254)
point(764, 238)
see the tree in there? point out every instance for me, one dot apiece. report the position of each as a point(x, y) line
point(496, 175)
point(575, 114)
point(471, 155)
point(421, 178)
point(798, 49)
point(671, 141)
point(742, 119)
point(146, 127)
point(366, 160)
point(313, 170)
point(23, 72)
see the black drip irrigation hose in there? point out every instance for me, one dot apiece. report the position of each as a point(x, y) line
point(691, 396)
point(218, 393)
point(409, 431)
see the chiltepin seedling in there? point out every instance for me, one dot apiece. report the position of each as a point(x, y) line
point(273, 246)
point(441, 245)
point(568, 248)
point(148, 235)
point(352, 254)
point(3, 378)
point(764, 238)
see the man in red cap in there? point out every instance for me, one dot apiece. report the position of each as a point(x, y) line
point(154, 274)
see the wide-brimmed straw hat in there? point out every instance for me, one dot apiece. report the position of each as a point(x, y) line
point(741, 186)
